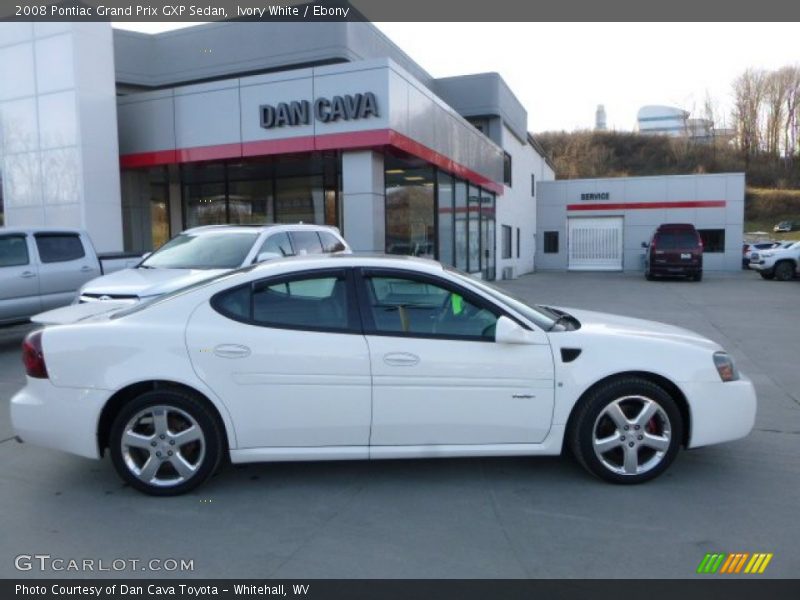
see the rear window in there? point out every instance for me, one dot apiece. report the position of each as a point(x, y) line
point(675, 240)
point(330, 243)
point(306, 242)
point(13, 251)
point(59, 247)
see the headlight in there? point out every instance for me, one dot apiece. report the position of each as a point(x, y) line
point(725, 367)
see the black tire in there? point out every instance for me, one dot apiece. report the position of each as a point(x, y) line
point(648, 275)
point(587, 417)
point(697, 276)
point(767, 274)
point(784, 270)
point(206, 453)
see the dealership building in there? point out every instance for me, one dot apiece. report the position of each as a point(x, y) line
point(136, 137)
point(601, 224)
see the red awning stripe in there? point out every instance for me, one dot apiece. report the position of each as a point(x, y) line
point(647, 205)
point(373, 139)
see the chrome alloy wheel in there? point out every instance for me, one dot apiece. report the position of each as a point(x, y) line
point(163, 446)
point(631, 435)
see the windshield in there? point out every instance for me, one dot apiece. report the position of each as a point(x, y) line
point(538, 315)
point(202, 250)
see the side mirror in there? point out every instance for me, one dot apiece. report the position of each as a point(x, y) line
point(645, 244)
point(507, 331)
point(264, 256)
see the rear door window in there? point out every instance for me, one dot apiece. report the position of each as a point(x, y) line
point(59, 247)
point(13, 251)
point(306, 242)
point(676, 240)
point(278, 243)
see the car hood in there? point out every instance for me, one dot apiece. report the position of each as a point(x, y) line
point(609, 324)
point(147, 282)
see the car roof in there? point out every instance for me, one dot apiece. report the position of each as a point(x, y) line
point(262, 227)
point(364, 259)
point(44, 229)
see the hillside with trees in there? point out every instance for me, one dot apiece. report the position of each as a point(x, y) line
point(765, 145)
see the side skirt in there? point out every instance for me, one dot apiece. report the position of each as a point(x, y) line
point(549, 447)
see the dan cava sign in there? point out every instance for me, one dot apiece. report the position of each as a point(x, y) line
point(327, 110)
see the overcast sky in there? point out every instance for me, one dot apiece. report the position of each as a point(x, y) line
point(562, 71)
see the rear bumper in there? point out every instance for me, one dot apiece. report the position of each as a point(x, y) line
point(676, 269)
point(720, 412)
point(59, 418)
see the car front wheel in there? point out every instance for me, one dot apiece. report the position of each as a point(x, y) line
point(784, 271)
point(767, 275)
point(626, 431)
point(165, 443)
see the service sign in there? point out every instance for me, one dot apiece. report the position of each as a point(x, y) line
point(596, 196)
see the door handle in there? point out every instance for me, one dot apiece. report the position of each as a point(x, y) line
point(232, 351)
point(86, 268)
point(401, 359)
point(28, 274)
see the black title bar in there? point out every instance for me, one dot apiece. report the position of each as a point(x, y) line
point(403, 10)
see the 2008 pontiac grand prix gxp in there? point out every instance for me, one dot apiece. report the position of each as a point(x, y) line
point(356, 357)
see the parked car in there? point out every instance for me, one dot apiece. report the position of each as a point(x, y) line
point(779, 263)
point(42, 268)
point(204, 252)
point(674, 249)
point(748, 250)
point(783, 227)
point(356, 357)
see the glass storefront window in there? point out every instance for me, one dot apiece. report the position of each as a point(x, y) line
point(461, 225)
point(299, 199)
point(444, 206)
point(204, 204)
point(145, 208)
point(473, 229)
point(250, 202)
point(409, 209)
point(488, 234)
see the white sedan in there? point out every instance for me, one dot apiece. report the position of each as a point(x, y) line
point(358, 357)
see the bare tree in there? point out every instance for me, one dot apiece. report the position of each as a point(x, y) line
point(776, 85)
point(791, 124)
point(748, 93)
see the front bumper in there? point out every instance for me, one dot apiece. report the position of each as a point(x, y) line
point(59, 418)
point(760, 265)
point(720, 411)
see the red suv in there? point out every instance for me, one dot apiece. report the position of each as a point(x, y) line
point(674, 249)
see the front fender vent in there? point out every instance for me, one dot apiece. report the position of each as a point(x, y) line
point(570, 354)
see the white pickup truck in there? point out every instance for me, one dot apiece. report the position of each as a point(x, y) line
point(43, 267)
point(779, 263)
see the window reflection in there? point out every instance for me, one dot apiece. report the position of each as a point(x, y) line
point(409, 210)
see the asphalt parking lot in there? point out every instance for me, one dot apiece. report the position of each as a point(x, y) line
point(470, 518)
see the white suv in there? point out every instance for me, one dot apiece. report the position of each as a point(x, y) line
point(777, 263)
point(204, 252)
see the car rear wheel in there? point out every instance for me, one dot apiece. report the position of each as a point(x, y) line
point(165, 443)
point(698, 276)
point(626, 431)
point(784, 271)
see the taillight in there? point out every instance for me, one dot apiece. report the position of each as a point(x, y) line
point(33, 357)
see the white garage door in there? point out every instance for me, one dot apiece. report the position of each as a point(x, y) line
point(595, 244)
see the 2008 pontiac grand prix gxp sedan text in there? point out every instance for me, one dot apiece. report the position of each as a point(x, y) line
point(355, 357)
